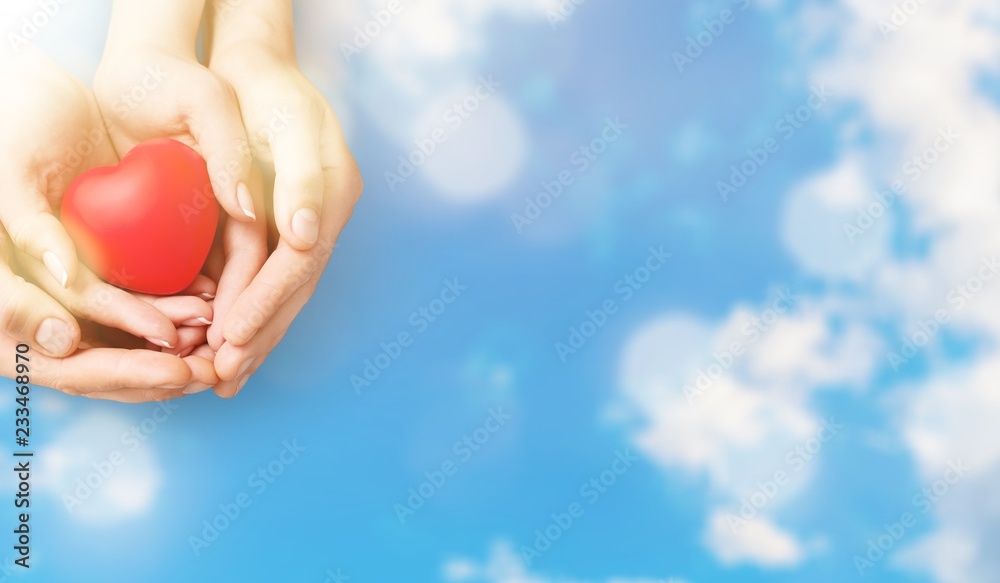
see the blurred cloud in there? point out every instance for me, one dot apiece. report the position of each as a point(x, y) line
point(731, 400)
point(423, 61)
point(898, 90)
point(759, 542)
point(93, 472)
point(914, 73)
point(481, 157)
point(698, 407)
point(505, 565)
point(947, 423)
point(813, 224)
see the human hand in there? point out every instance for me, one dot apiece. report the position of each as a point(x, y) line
point(105, 362)
point(53, 132)
point(150, 85)
point(315, 176)
point(114, 369)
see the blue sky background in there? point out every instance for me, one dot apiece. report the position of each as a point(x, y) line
point(332, 510)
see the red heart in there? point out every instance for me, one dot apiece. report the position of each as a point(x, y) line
point(148, 223)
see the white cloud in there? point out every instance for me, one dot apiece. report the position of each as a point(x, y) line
point(951, 415)
point(758, 541)
point(949, 555)
point(479, 158)
point(505, 565)
point(905, 90)
point(81, 470)
point(949, 421)
point(417, 66)
point(803, 350)
point(749, 410)
point(911, 85)
point(814, 218)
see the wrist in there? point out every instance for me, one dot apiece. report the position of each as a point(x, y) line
point(248, 60)
point(261, 28)
point(167, 26)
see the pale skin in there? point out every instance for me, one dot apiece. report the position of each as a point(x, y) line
point(252, 47)
point(304, 196)
point(54, 133)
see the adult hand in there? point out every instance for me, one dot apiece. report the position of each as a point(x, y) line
point(314, 175)
point(106, 363)
point(53, 132)
point(296, 136)
point(150, 85)
point(117, 374)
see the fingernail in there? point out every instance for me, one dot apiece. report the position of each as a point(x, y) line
point(161, 343)
point(196, 388)
point(240, 386)
point(55, 267)
point(206, 296)
point(305, 225)
point(243, 367)
point(53, 336)
point(245, 200)
point(197, 322)
point(173, 386)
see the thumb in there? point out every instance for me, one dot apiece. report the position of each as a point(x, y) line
point(217, 128)
point(299, 184)
point(28, 219)
point(29, 315)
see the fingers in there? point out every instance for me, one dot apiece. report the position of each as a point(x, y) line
point(244, 251)
point(217, 127)
point(188, 339)
point(97, 301)
point(288, 268)
point(28, 220)
point(298, 184)
point(235, 364)
point(204, 287)
point(99, 370)
point(203, 376)
point(181, 310)
point(284, 273)
point(136, 396)
point(29, 315)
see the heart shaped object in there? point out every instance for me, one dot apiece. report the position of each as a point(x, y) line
point(148, 223)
